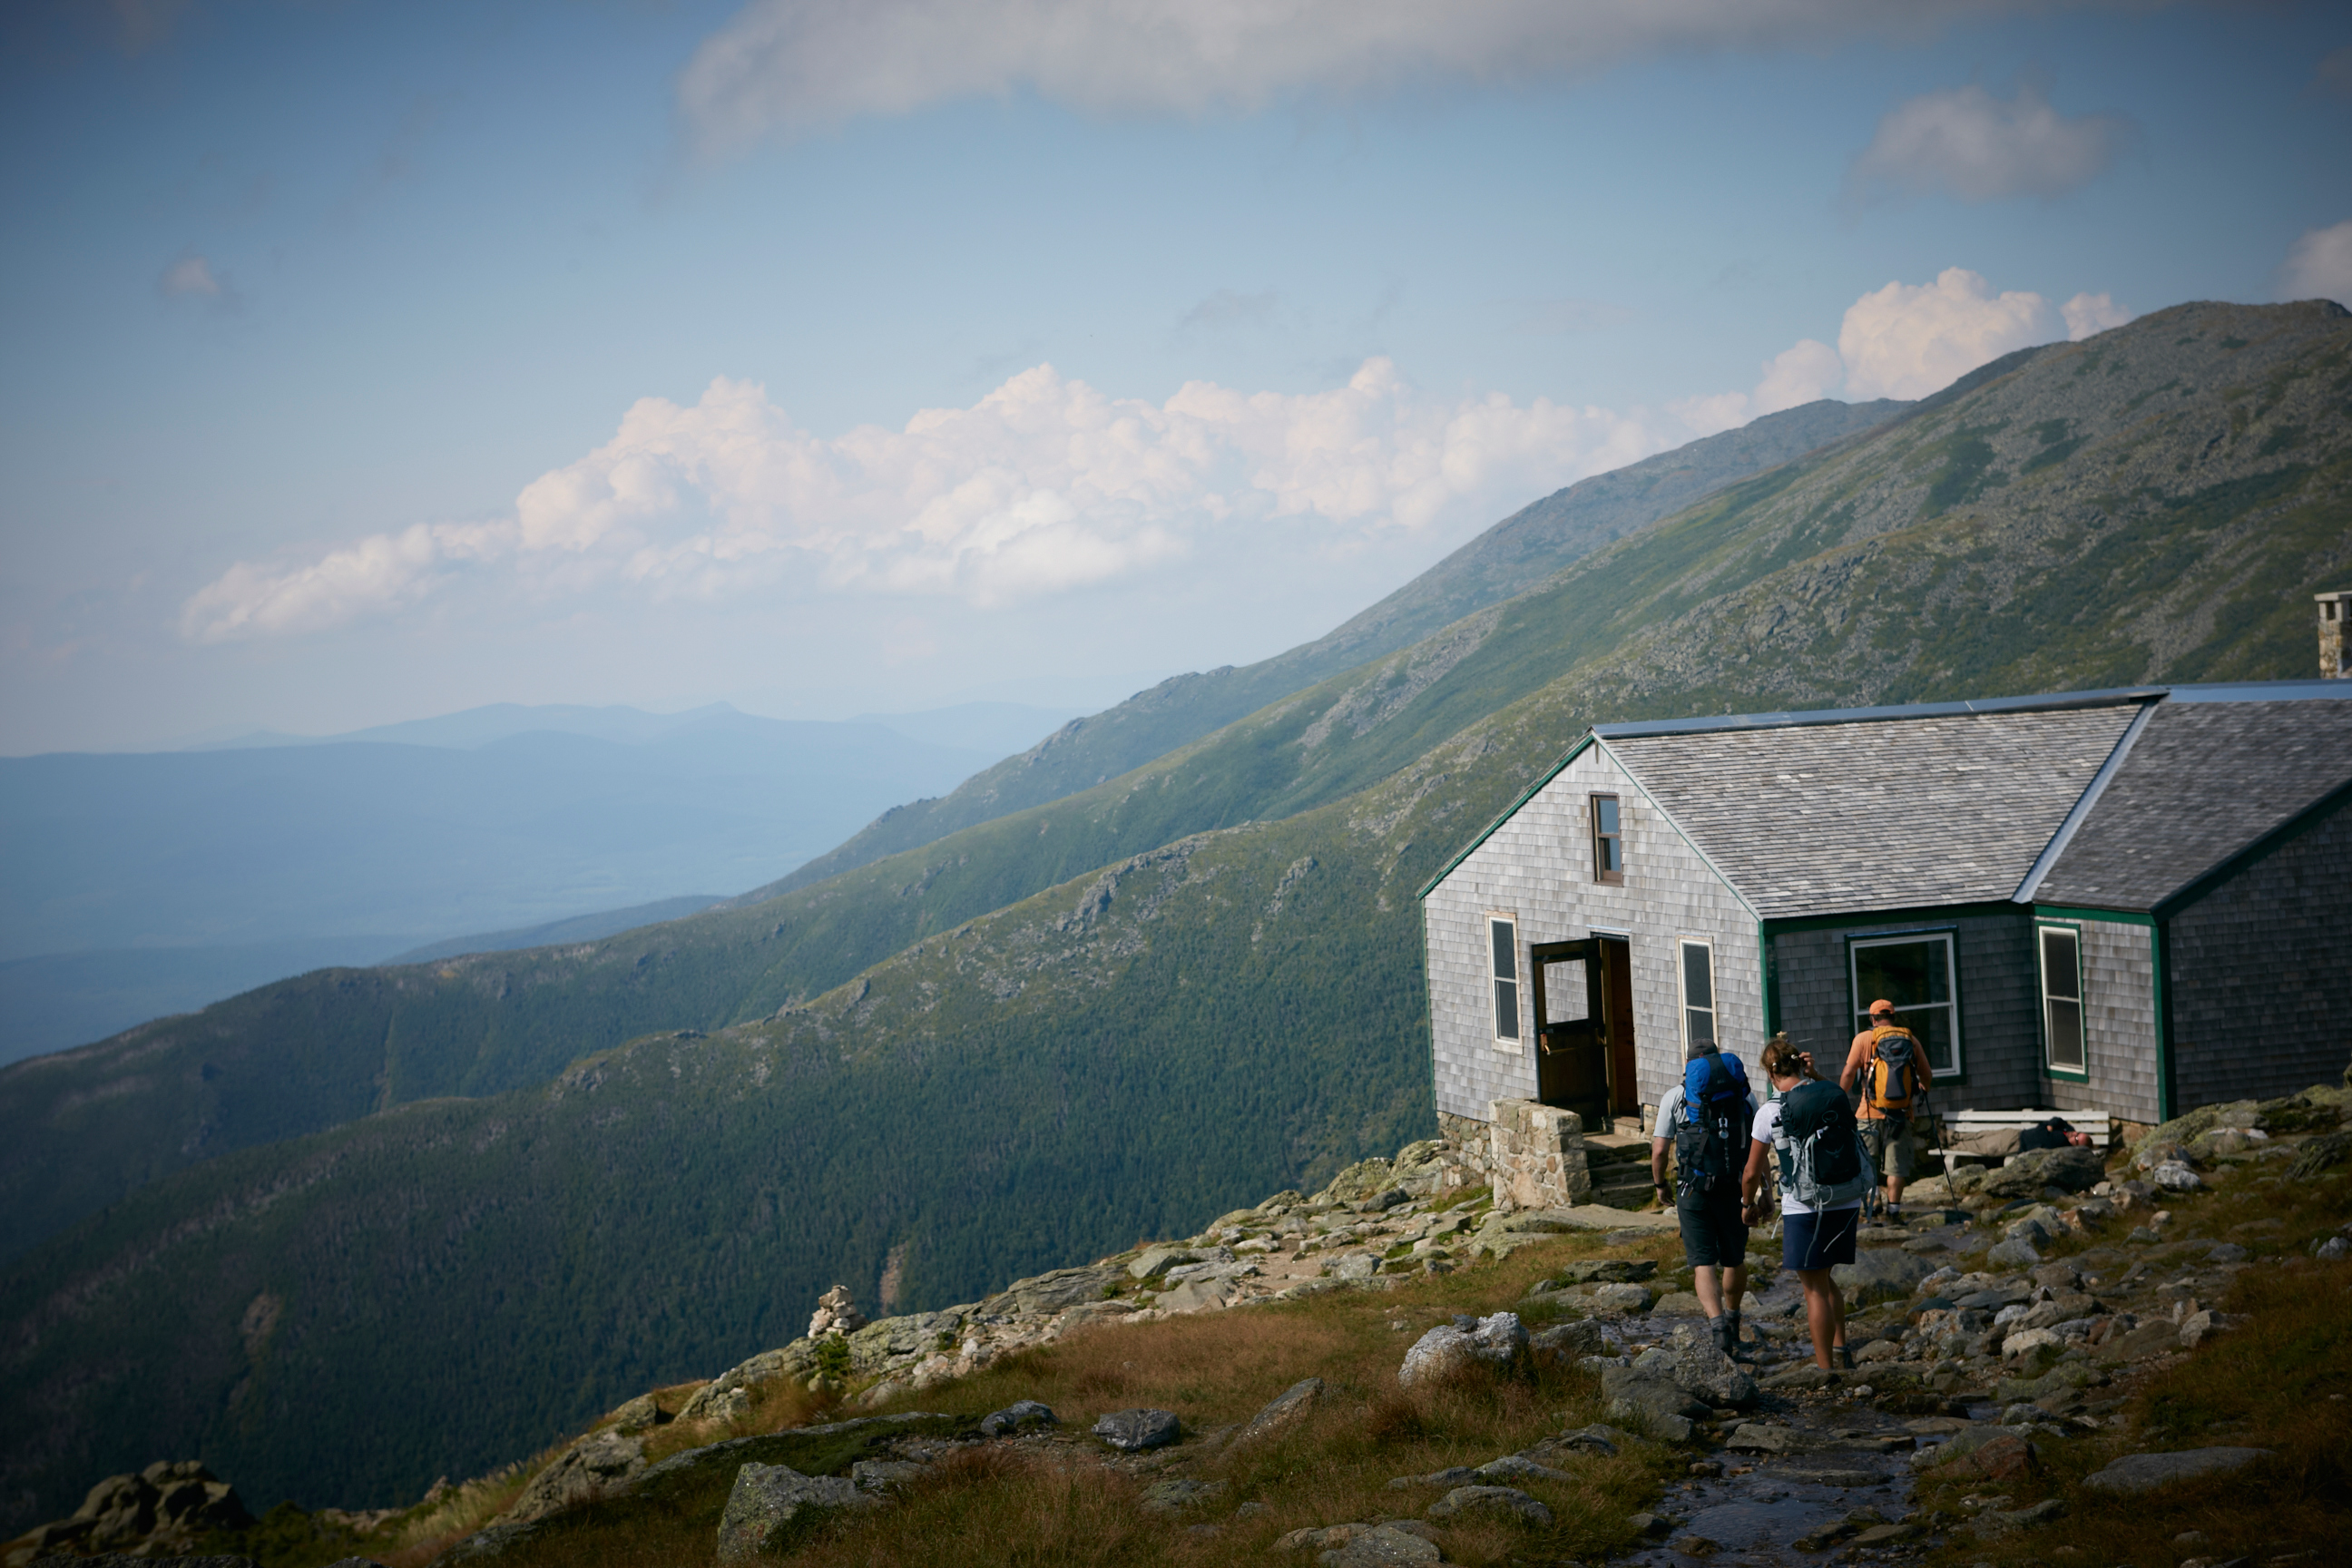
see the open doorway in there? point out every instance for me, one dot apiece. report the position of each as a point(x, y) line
point(1584, 1029)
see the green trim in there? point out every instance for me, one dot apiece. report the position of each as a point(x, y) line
point(2108, 917)
point(2164, 1097)
point(1508, 812)
point(1766, 960)
point(2042, 984)
point(1867, 917)
point(2277, 838)
point(1959, 1073)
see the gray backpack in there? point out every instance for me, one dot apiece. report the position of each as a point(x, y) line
point(1822, 1163)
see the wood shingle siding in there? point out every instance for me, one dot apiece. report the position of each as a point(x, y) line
point(1537, 867)
point(2118, 1024)
point(2259, 973)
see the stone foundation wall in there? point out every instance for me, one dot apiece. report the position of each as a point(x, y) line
point(1538, 1156)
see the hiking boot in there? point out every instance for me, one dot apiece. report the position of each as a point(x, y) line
point(1734, 1346)
point(1843, 1355)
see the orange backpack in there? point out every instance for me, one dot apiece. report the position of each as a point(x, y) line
point(1891, 1077)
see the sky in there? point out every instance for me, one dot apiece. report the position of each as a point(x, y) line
point(365, 361)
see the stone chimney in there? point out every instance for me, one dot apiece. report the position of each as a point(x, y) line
point(2334, 610)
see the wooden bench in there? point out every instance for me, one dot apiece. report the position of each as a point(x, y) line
point(2094, 1122)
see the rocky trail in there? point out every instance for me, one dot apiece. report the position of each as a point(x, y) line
point(2006, 1334)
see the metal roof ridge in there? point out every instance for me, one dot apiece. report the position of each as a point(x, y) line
point(2085, 803)
point(2105, 698)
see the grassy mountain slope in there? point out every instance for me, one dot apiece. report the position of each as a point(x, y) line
point(1957, 551)
point(1227, 1012)
point(1509, 558)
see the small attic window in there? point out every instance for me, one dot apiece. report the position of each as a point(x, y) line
point(1608, 840)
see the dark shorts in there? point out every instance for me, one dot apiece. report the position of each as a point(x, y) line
point(1713, 1236)
point(1819, 1239)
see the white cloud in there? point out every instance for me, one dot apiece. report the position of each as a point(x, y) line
point(1909, 340)
point(191, 277)
point(2087, 315)
point(791, 65)
point(1980, 148)
point(2319, 265)
point(1805, 373)
point(1045, 484)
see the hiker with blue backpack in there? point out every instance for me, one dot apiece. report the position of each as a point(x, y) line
point(1706, 1118)
point(1824, 1175)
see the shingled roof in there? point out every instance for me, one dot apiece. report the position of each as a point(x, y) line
point(1891, 813)
point(2202, 783)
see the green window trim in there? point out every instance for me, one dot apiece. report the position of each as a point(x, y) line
point(1951, 935)
point(2050, 1064)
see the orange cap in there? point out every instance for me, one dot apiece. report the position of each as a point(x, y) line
point(1882, 1006)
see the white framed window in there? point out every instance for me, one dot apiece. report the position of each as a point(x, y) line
point(2063, 1039)
point(1697, 973)
point(1915, 971)
point(1502, 949)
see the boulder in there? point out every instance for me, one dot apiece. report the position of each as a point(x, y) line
point(2070, 1169)
point(1058, 1289)
point(1756, 1437)
point(1451, 1477)
point(1598, 1439)
point(1178, 1493)
point(2146, 1472)
point(1601, 1270)
point(1497, 1343)
point(598, 1463)
point(2005, 1458)
point(2175, 1176)
point(1506, 1503)
point(1283, 1414)
point(1380, 1545)
point(1632, 1394)
point(2015, 1253)
point(1024, 1415)
point(1881, 1274)
point(768, 1500)
point(1154, 1261)
point(1517, 1467)
point(1702, 1369)
point(1360, 1181)
point(1355, 1265)
point(1132, 1431)
point(1565, 1343)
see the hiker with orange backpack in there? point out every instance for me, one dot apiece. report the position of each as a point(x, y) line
point(1890, 1067)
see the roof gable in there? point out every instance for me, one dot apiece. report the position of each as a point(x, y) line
point(2204, 783)
point(1893, 812)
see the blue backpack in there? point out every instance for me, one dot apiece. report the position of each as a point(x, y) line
point(1711, 1141)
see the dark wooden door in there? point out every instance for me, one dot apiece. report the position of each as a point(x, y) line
point(1572, 1028)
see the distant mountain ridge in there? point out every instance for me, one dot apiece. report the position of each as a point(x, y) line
point(1041, 1035)
point(1509, 558)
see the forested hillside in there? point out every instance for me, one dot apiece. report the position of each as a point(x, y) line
point(1216, 995)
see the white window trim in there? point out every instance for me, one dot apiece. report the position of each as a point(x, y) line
point(1683, 1009)
point(1518, 981)
point(1951, 986)
point(2081, 1071)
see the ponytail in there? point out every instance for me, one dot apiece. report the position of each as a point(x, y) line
point(1783, 1059)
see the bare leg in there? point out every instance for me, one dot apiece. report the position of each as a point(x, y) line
point(1734, 1287)
point(1706, 1284)
point(1824, 1314)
